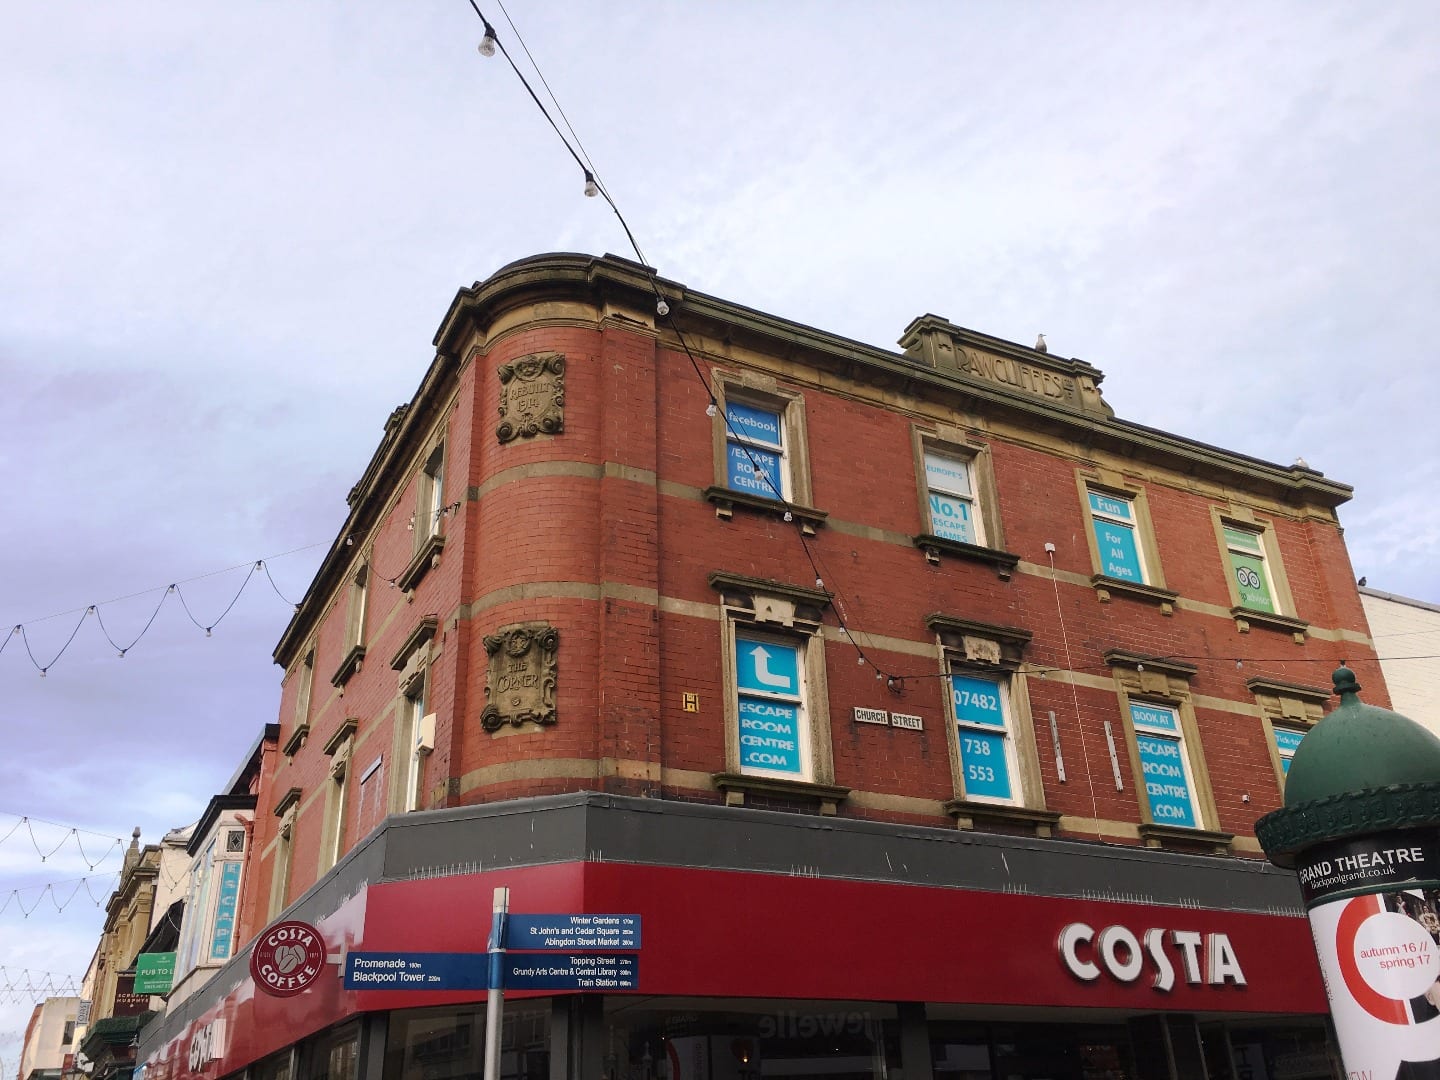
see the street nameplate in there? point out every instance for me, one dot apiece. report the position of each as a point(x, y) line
point(602, 933)
point(906, 721)
point(416, 971)
point(571, 971)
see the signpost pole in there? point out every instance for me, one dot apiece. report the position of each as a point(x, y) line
point(494, 1002)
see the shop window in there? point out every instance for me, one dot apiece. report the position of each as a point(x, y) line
point(339, 749)
point(1122, 543)
point(1287, 741)
point(959, 511)
point(305, 672)
point(1288, 711)
point(354, 627)
point(428, 540)
point(1112, 518)
point(1177, 807)
point(417, 739)
point(1164, 765)
point(1255, 576)
point(287, 810)
point(423, 1044)
point(777, 716)
point(992, 742)
point(760, 455)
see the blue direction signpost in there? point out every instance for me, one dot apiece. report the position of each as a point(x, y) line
point(416, 971)
point(571, 971)
point(589, 933)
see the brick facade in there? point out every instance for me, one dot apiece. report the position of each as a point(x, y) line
point(611, 531)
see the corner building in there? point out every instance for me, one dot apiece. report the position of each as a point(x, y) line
point(919, 706)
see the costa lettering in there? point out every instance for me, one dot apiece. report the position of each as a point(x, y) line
point(287, 958)
point(206, 1045)
point(1123, 955)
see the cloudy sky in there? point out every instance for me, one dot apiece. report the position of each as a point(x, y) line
point(228, 232)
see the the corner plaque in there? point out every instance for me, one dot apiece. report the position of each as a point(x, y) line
point(532, 396)
point(520, 679)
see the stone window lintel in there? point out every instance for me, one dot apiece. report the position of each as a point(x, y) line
point(345, 731)
point(935, 546)
point(726, 499)
point(737, 785)
point(296, 741)
point(967, 813)
point(423, 632)
point(426, 557)
point(1106, 586)
point(1245, 618)
point(1153, 835)
point(289, 799)
point(349, 666)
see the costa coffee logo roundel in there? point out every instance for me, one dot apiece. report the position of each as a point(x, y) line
point(288, 957)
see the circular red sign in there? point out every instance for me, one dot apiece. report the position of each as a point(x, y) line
point(287, 958)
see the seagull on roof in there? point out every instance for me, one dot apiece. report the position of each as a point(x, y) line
point(1040, 345)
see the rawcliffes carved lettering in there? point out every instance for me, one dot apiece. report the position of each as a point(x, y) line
point(1022, 376)
point(532, 396)
point(521, 675)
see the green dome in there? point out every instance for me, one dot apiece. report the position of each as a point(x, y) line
point(1360, 747)
point(1360, 770)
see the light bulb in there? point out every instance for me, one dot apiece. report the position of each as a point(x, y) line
point(207, 631)
point(591, 188)
point(819, 583)
point(789, 516)
point(662, 308)
point(711, 410)
point(487, 43)
point(860, 660)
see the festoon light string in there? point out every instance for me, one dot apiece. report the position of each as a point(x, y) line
point(47, 850)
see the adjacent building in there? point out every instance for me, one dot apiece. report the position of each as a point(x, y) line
point(49, 1039)
point(1407, 634)
point(919, 707)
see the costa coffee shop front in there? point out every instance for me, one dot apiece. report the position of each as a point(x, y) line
point(776, 945)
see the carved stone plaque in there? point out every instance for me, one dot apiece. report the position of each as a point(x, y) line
point(520, 678)
point(532, 396)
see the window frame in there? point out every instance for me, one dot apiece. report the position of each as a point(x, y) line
point(953, 444)
point(797, 700)
point(1005, 731)
point(430, 495)
point(1106, 483)
point(761, 392)
point(753, 609)
point(1158, 682)
point(1241, 519)
point(996, 654)
point(339, 749)
point(1173, 734)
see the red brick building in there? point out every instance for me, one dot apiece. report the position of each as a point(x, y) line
point(851, 654)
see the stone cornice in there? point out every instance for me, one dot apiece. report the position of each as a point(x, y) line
point(1287, 832)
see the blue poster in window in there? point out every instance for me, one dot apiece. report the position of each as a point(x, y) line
point(224, 932)
point(1287, 741)
point(1119, 557)
point(982, 758)
point(746, 422)
point(950, 518)
point(1105, 504)
point(754, 470)
point(767, 666)
point(769, 736)
point(1166, 785)
point(1153, 716)
point(977, 701)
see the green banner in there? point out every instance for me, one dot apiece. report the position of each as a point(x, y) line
point(154, 972)
point(1251, 581)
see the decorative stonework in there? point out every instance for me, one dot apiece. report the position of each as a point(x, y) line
point(532, 396)
point(520, 679)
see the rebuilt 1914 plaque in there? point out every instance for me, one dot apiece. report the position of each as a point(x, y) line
point(532, 396)
point(520, 679)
